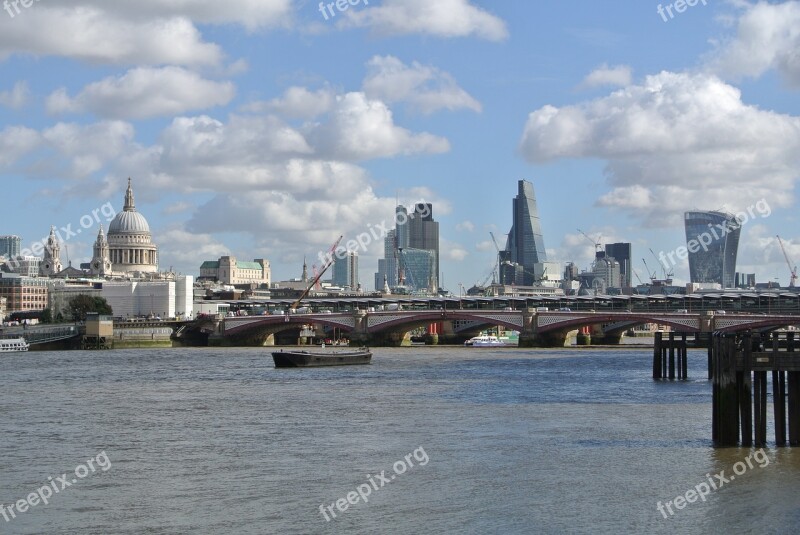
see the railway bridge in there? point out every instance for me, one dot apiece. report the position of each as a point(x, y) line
point(536, 328)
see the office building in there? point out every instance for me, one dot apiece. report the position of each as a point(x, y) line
point(419, 269)
point(10, 246)
point(23, 293)
point(345, 271)
point(712, 239)
point(621, 252)
point(423, 234)
point(411, 252)
point(525, 241)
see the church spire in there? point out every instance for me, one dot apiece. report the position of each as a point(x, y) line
point(130, 206)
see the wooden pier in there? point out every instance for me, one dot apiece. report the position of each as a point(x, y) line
point(739, 368)
point(670, 356)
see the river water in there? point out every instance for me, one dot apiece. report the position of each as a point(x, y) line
point(437, 440)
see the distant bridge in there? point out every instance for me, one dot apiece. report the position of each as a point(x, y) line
point(548, 328)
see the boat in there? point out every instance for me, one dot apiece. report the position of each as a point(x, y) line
point(305, 359)
point(13, 344)
point(485, 340)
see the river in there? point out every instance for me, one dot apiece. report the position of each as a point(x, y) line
point(425, 440)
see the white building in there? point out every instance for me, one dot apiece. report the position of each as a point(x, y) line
point(162, 298)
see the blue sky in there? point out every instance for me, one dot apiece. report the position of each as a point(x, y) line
point(260, 129)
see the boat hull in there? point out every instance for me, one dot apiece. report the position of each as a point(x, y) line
point(308, 359)
point(13, 345)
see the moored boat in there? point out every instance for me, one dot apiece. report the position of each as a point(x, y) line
point(306, 359)
point(13, 344)
point(484, 340)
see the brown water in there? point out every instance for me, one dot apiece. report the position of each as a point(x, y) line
point(516, 441)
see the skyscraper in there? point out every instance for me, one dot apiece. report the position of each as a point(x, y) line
point(345, 271)
point(411, 251)
point(10, 246)
point(712, 239)
point(621, 252)
point(525, 241)
point(423, 234)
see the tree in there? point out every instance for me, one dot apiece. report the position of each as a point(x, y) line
point(80, 305)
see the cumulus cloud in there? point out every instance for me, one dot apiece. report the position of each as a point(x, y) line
point(103, 37)
point(426, 88)
point(443, 18)
point(298, 102)
point(619, 76)
point(16, 142)
point(144, 92)
point(188, 248)
point(767, 38)
point(465, 226)
point(675, 141)
point(17, 97)
point(151, 32)
point(360, 128)
point(453, 251)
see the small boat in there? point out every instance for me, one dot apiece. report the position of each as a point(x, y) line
point(13, 344)
point(485, 340)
point(306, 359)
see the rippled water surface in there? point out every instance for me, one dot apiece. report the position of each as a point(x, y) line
point(512, 441)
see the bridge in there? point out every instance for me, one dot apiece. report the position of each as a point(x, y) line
point(41, 335)
point(536, 327)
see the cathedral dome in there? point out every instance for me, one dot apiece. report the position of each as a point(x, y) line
point(128, 223)
point(129, 247)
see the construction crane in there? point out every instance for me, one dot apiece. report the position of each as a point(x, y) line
point(596, 243)
point(667, 274)
point(792, 270)
point(637, 276)
point(654, 275)
point(328, 263)
point(496, 268)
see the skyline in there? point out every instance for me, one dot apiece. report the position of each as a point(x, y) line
point(266, 131)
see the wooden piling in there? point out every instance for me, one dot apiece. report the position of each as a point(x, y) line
point(683, 354)
point(725, 397)
point(743, 383)
point(793, 390)
point(710, 356)
point(672, 356)
point(657, 370)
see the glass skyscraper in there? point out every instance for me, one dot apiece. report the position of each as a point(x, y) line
point(411, 251)
point(712, 239)
point(10, 246)
point(345, 271)
point(525, 241)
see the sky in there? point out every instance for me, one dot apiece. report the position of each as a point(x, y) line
point(268, 128)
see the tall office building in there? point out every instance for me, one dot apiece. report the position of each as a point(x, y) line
point(345, 271)
point(525, 241)
point(712, 250)
point(621, 252)
point(423, 234)
point(411, 251)
point(10, 246)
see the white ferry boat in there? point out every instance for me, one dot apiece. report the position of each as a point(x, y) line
point(13, 344)
point(484, 340)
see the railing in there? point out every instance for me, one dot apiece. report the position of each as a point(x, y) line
point(44, 336)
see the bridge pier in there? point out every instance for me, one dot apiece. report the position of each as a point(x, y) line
point(740, 390)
